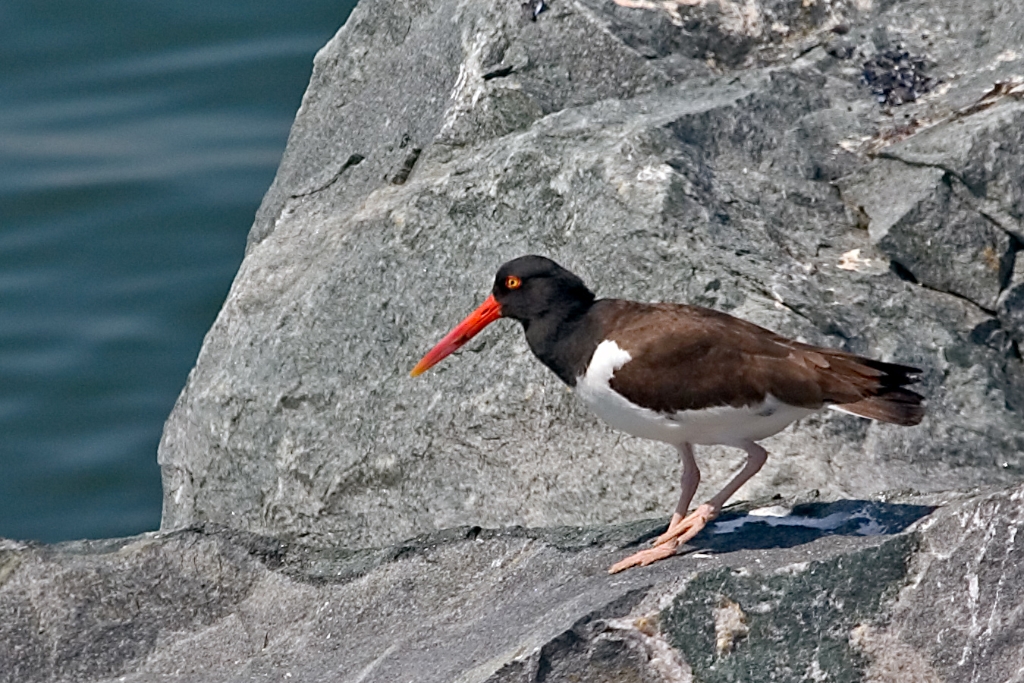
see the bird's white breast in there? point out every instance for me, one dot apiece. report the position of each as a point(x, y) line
point(714, 425)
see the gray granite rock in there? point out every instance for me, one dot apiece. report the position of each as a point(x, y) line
point(691, 157)
point(982, 147)
point(946, 203)
point(925, 220)
point(1011, 304)
point(926, 595)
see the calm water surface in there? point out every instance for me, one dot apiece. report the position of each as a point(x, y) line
point(136, 140)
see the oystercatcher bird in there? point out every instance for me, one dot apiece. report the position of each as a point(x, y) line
point(681, 374)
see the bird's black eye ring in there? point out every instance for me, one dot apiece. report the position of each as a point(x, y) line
point(513, 282)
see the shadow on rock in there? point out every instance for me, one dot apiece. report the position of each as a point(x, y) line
point(777, 526)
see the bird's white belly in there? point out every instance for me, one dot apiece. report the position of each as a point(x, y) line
point(716, 425)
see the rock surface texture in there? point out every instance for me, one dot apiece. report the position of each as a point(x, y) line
point(932, 602)
point(847, 172)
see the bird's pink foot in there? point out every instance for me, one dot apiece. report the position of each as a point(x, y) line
point(645, 557)
point(688, 526)
point(679, 532)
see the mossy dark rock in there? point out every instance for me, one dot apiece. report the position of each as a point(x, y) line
point(796, 621)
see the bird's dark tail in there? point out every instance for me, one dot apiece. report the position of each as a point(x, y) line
point(893, 402)
point(898, 407)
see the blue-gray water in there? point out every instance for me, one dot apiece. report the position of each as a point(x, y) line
point(136, 140)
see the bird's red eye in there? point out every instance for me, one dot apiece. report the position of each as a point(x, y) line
point(513, 282)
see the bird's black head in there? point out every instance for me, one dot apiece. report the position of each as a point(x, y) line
point(532, 287)
point(545, 297)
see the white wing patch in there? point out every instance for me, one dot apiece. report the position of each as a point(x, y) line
point(717, 425)
point(607, 358)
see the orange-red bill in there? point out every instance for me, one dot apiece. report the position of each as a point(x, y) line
point(487, 313)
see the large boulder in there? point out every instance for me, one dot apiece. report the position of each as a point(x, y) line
point(723, 157)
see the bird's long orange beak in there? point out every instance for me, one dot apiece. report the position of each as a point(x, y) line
point(487, 313)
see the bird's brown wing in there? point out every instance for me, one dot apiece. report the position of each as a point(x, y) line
point(688, 357)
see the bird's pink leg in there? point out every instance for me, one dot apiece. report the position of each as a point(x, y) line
point(688, 483)
point(691, 525)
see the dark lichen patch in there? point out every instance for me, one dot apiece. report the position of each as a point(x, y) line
point(798, 621)
point(896, 77)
